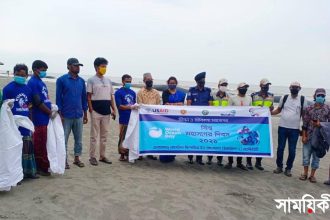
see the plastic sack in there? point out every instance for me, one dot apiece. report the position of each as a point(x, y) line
point(11, 144)
point(56, 144)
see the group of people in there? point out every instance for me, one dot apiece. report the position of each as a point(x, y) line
point(74, 99)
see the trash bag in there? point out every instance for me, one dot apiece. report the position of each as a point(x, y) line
point(56, 144)
point(11, 144)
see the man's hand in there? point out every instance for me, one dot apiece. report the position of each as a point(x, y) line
point(113, 115)
point(85, 119)
point(135, 107)
point(304, 139)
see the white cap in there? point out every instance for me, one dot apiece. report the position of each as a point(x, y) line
point(222, 81)
point(242, 84)
point(295, 84)
point(264, 82)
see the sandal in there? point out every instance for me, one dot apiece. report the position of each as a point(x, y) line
point(105, 160)
point(122, 158)
point(79, 163)
point(327, 182)
point(312, 179)
point(93, 161)
point(303, 177)
point(67, 166)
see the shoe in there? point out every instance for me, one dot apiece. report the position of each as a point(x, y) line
point(249, 166)
point(42, 173)
point(105, 160)
point(241, 166)
point(209, 162)
point(259, 167)
point(278, 170)
point(190, 161)
point(220, 163)
point(288, 173)
point(200, 162)
point(228, 166)
point(152, 157)
point(93, 161)
point(31, 177)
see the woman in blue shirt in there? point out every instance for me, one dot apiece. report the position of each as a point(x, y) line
point(171, 96)
point(22, 95)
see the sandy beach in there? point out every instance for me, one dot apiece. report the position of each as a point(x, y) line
point(152, 190)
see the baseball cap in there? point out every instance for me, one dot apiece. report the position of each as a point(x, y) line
point(242, 84)
point(295, 84)
point(320, 91)
point(74, 61)
point(264, 82)
point(1, 63)
point(222, 81)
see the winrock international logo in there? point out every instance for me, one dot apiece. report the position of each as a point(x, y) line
point(155, 132)
point(306, 204)
point(231, 113)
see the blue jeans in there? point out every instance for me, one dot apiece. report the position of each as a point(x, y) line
point(76, 125)
point(292, 136)
point(308, 152)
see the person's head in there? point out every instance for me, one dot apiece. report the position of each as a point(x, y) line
point(295, 88)
point(39, 68)
point(200, 79)
point(319, 96)
point(242, 88)
point(127, 81)
point(20, 73)
point(73, 65)
point(264, 85)
point(100, 65)
point(172, 82)
point(222, 85)
point(148, 81)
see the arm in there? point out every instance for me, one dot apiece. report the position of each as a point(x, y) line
point(84, 103)
point(59, 101)
point(158, 99)
point(165, 98)
point(139, 98)
point(276, 111)
point(89, 102)
point(306, 121)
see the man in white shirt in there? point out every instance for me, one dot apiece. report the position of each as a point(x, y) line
point(291, 108)
point(241, 99)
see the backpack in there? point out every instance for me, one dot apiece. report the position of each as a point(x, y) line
point(320, 144)
point(302, 100)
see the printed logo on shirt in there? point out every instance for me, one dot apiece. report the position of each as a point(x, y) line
point(44, 92)
point(129, 99)
point(22, 101)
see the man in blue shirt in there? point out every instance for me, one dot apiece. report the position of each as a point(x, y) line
point(199, 96)
point(125, 100)
point(22, 96)
point(41, 111)
point(71, 99)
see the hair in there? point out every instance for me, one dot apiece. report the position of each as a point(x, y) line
point(38, 64)
point(172, 78)
point(125, 76)
point(20, 67)
point(145, 75)
point(99, 61)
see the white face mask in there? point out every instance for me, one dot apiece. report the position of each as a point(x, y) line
point(223, 88)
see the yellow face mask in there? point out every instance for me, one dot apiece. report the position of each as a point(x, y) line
point(102, 70)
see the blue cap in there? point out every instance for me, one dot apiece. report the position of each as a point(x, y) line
point(200, 76)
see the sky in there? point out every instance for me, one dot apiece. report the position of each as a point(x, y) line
point(241, 40)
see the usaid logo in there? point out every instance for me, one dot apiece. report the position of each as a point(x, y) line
point(159, 110)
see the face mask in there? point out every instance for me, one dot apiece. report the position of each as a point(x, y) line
point(42, 74)
point(320, 99)
point(201, 83)
point(264, 89)
point(127, 85)
point(172, 86)
point(223, 88)
point(294, 91)
point(242, 91)
point(20, 80)
point(102, 70)
point(149, 83)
